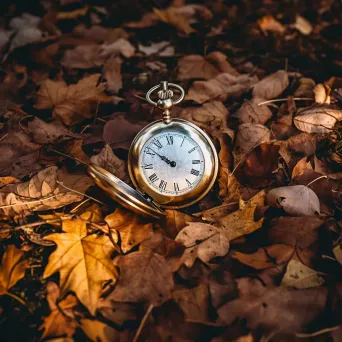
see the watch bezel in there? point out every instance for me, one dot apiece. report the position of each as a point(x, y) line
point(210, 168)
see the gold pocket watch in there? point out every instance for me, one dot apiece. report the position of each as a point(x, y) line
point(171, 162)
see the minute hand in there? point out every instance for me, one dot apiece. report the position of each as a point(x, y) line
point(161, 157)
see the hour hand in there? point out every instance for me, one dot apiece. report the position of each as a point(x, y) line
point(165, 159)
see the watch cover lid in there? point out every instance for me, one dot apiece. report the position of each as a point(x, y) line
point(125, 195)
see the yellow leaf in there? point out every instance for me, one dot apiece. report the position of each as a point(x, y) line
point(98, 331)
point(131, 227)
point(11, 268)
point(83, 262)
point(72, 103)
point(240, 222)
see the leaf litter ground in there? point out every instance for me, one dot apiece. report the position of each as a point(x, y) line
point(258, 259)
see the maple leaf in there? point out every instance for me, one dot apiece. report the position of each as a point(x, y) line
point(82, 260)
point(197, 66)
point(72, 103)
point(131, 228)
point(61, 320)
point(12, 268)
point(144, 276)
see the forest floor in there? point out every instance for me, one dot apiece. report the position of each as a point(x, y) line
point(258, 258)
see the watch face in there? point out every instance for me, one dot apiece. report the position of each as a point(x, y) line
point(172, 163)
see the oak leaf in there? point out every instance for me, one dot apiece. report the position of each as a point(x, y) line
point(61, 320)
point(271, 86)
point(221, 87)
point(210, 66)
point(72, 103)
point(12, 268)
point(131, 227)
point(48, 189)
point(144, 276)
point(296, 200)
point(265, 257)
point(82, 260)
point(202, 241)
point(110, 162)
point(300, 276)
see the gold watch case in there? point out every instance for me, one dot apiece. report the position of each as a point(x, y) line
point(190, 130)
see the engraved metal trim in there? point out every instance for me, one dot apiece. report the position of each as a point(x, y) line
point(172, 85)
point(190, 130)
point(123, 193)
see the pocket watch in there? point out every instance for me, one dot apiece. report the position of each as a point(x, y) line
point(172, 162)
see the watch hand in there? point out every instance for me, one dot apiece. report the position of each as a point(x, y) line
point(167, 160)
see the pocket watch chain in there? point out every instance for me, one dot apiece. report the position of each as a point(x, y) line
point(165, 102)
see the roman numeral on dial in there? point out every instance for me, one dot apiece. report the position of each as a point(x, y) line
point(176, 186)
point(158, 144)
point(196, 161)
point(153, 177)
point(192, 150)
point(147, 151)
point(169, 139)
point(162, 185)
point(189, 183)
point(148, 167)
point(194, 172)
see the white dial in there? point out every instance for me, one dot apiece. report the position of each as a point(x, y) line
point(172, 163)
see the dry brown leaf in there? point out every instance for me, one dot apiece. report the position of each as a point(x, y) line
point(194, 303)
point(300, 167)
point(182, 17)
point(221, 87)
point(121, 46)
point(12, 268)
point(296, 200)
point(274, 309)
point(269, 23)
point(117, 312)
point(240, 222)
point(147, 20)
point(83, 262)
point(322, 93)
point(271, 86)
point(303, 25)
point(112, 74)
point(213, 114)
point(42, 192)
point(46, 133)
point(305, 88)
point(72, 103)
point(300, 276)
point(61, 320)
point(144, 276)
point(318, 119)
point(7, 180)
point(210, 66)
point(265, 257)
point(99, 331)
point(163, 49)
point(202, 241)
point(110, 162)
point(248, 137)
point(250, 112)
point(230, 190)
point(83, 57)
point(75, 149)
point(131, 227)
point(303, 143)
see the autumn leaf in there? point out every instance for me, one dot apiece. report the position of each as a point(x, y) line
point(300, 276)
point(132, 229)
point(269, 23)
point(48, 189)
point(265, 257)
point(61, 320)
point(99, 331)
point(82, 260)
point(112, 74)
point(73, 103)
point(222, 86)
point(110, 162)
point(202, 241)
point(144, 276)
point(210, 66)
point(12, 268)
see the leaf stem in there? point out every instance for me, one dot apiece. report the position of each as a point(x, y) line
point(21, 301)
point(281, 100)
point(142, 323)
